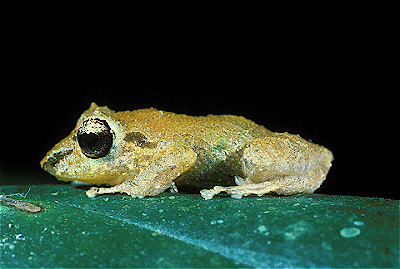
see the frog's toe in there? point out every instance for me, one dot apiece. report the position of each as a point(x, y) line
point(237, 194)
point(92, 192)
point(208, 193)
point(242, 181)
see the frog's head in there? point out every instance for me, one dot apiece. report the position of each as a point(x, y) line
point(94, 152)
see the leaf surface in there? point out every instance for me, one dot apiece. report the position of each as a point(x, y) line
point(181, 230)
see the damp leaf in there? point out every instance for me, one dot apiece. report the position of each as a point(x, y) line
point(181, 230)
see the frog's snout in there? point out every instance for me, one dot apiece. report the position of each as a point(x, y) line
point(49, 162)
point(59, 152)
point(47, 166)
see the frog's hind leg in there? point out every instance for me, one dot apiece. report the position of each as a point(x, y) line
point(285, 186)
point(241, 190)
point(283, 163)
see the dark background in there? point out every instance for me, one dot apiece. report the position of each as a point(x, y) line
point(315, 79)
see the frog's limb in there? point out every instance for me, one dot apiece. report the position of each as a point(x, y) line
point(240, 191)
point(283, 163)
point(155, 178)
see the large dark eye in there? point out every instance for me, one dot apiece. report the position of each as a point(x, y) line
point(95, 138)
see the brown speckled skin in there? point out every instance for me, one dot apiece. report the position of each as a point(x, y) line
point(154, 150)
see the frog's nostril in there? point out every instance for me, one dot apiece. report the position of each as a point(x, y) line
point(48, 163)
point(48, 167)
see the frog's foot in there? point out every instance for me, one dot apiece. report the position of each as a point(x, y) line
point(283, 186)
point(131, 189)
point(243, 190)
point(94, 191)
point(121, 188)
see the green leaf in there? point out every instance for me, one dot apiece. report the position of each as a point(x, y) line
point(181, 230)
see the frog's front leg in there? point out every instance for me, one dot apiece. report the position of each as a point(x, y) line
point(155, 178)
point(282, 163)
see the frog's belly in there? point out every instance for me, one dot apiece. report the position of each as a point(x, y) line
point(210, 170)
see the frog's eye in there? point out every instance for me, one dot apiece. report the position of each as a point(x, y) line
point(95, 138)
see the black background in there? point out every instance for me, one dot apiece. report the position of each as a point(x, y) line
point(316, 79)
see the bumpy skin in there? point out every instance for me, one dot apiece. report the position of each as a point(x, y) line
point(153, 150)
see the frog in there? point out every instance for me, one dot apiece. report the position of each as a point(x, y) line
point(147, 151)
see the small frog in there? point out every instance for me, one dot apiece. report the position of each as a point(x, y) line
point(146, 151)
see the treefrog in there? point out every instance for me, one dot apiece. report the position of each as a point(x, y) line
point(147, 151)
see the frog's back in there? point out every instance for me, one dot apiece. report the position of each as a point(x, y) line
point(238, 124)
point(168, 124)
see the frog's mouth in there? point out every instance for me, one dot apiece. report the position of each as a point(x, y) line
point(52, 164)
point(49, 162)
